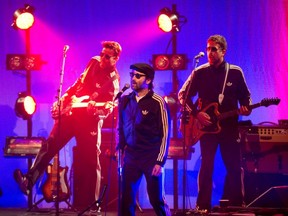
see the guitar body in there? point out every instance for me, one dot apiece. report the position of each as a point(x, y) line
point(49, 189)
point(193, 131)
point(75, 103)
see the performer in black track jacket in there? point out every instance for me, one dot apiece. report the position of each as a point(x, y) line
point(99, 83)
point(143, 138)
point(223, 83)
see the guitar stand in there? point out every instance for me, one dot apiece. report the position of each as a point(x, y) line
point(35, 205)
point(96, 203)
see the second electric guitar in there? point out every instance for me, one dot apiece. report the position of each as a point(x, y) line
point(194, 129)
point(50, 186)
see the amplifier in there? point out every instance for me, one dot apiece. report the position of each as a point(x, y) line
point(23, 146)
point(267, 134)
point(265, 148)
point(175, 150)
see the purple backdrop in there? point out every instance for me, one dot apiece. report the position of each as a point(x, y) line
point(256, 32)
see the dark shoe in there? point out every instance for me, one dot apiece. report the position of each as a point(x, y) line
point(95, 210)
point(198, 211)
point(22, 181)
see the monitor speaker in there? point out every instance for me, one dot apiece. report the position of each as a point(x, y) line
point(274, 197)
point(256, 184)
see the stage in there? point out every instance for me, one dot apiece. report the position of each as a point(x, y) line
point(149, 212)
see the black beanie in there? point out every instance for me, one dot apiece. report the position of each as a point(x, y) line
point(144, 68)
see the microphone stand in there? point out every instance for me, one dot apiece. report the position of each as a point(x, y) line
point(96, 202)
point(184, 120)
point(59, 125)
point(119, 161)
point(119, 169)
point(119, 172)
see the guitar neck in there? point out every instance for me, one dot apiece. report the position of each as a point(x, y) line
point(84, 104)
point(55, 162)
point(236, 112)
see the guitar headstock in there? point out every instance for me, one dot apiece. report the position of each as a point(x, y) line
point(270, 101)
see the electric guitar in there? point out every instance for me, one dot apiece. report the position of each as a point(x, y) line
point(194, 130)
point(77, 102)
point(49, 188)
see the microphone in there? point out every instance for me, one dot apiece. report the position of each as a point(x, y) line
point(200, 55)
point(126, 86)
point(66, 47)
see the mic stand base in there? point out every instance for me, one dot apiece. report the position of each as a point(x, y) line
point(96, 203)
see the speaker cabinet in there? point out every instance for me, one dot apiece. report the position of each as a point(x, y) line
point(84, 176)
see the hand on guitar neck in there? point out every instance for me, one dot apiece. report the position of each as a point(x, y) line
point(243, 110)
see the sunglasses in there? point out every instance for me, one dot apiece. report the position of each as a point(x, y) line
point(137, 75)
point(212, 49)
point(106, 56)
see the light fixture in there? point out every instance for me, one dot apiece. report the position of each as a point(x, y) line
point(25, 106)
point(170, 20)
point(178, 62)
point(161, 62)
point(23, 18)
point(23, 62)
point(169, 61)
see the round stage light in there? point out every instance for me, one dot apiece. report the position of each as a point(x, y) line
point(25, 106)
point(161, 62)
point(168, 21)
point(23, 18)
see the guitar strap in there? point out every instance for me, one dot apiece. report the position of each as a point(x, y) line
point(221, 96)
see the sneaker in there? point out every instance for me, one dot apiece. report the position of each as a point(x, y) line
point(22, 181)
point(198, 211)
point(95, 210)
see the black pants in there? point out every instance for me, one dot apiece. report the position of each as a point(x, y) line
point(133, 170)
point(231, 156)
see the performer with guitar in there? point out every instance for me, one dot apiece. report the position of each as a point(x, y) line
point(224, 84)
point(98, 83)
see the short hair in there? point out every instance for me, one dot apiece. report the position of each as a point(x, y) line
point(115, 46)
point(219, 39)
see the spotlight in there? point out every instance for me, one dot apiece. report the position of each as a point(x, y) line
point(168, 21)
point(169, 61)
point(23, 62)
point(178, 62)
point(161, 62)
point(25, 106)
point(23, 18)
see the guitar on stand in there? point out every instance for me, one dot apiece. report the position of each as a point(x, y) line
point(49, 188)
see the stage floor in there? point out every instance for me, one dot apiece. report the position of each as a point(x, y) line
point(146, 212)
